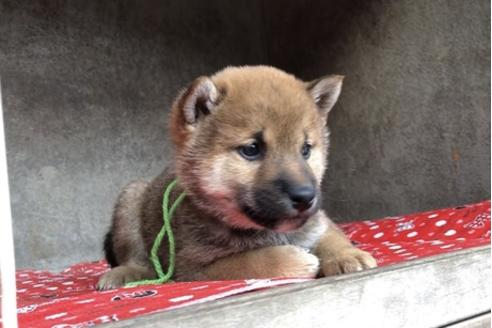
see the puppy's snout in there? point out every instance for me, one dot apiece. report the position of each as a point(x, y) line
point(301, 196)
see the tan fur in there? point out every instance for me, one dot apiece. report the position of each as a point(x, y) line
point(267, 262)
point(124, 274)
point(238, 219)
point(338, 255)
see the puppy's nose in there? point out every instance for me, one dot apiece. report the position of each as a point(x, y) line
point(302, 196)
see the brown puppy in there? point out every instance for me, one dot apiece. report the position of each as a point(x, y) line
point(251, 146)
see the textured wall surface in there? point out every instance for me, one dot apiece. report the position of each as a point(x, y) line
point(411, 130)
point(86, 85)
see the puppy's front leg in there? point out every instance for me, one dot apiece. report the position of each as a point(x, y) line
point(268, 262)
point(338, 255)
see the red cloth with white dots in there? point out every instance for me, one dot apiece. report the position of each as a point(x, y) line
point(68, 299)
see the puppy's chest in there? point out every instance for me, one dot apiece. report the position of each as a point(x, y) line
point(207, 243)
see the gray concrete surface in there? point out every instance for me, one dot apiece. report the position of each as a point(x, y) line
point(411, 130)
point(86, 86)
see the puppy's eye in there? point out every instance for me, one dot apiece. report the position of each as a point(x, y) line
point(250, 152)
point(306, 150)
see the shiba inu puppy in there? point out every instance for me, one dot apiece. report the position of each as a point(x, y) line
point(250, 152)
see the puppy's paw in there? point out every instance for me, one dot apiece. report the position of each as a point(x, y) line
point(120, 276)
point(294, 262)
point(347, 260)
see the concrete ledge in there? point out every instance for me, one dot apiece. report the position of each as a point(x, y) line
point(479, 321)
point(430, 292)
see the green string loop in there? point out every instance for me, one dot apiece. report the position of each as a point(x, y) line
point(167, 215)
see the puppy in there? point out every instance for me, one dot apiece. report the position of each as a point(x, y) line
point(251, 146)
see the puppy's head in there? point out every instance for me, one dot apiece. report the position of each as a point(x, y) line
point(252, 143)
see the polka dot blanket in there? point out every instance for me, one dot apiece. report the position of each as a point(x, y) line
point(68, 299)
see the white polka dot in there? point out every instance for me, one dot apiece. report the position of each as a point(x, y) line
point(437, 242)
point(374, 227)
point(86, 301)
point(412, 234)
point(66, 283)
point(104, 319)
point(400, 251)
point(199, 287)
point(413, 257)
point(68, 318)
point(447, 246)
point(136, 310)
point(28, 308)
point(181, 298)
point(55, 316)
point(440, 223)
point(378, 235)
point(432, 216)
point(395, 247)
point(23, 290)
point(52, 288)
point(450, 232)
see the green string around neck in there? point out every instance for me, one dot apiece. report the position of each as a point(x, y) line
point(167, 215)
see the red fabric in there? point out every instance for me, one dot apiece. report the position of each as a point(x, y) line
point(68, 299)
point(396, 239)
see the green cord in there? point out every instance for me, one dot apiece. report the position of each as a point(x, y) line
point(167, 215)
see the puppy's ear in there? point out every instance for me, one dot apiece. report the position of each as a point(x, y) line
point(197, 101)
point(325, 92)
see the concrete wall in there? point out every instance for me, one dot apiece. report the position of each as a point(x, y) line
point(86, 88)
point(411, 130)
point(86, 85)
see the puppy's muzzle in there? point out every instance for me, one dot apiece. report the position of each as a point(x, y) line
point(302, 197)
point(283, 202)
